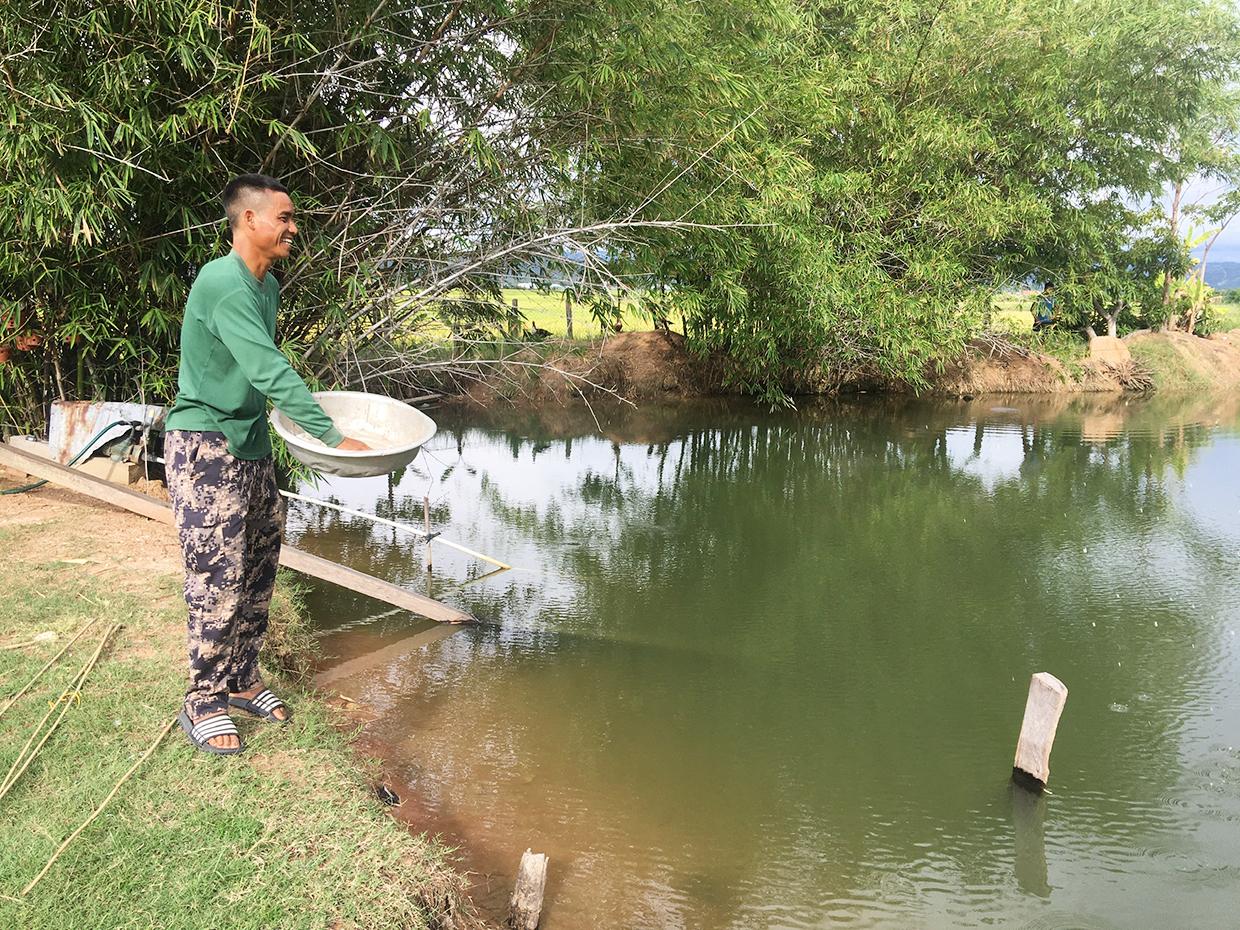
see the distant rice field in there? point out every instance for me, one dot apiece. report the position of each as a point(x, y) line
point(545, 310)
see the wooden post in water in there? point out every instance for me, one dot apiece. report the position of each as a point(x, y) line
point(568, 312)
point(426, 515)
point(527, 898)
point(1047, 696)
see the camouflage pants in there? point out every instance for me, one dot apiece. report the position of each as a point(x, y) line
point(229, 520)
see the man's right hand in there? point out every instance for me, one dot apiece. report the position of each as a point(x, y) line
point(352, 445)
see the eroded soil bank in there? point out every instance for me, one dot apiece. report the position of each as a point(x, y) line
point(655, 365)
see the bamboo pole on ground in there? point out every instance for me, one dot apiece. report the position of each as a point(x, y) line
point(50, 662)
point(8, 647)
point(65, 701)
point(99, 810)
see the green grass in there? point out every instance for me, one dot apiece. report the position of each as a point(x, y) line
point(1168, 368)
point(286, 836)
point(1225, 317)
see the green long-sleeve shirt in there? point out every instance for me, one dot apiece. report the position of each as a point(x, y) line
point(230, 364)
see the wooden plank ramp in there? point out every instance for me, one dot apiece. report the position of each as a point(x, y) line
point(296, 559)
point(355, 666)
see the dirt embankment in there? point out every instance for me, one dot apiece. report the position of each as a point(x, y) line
point(1140, 360)
point(635, 366)
point(652, 365)
point(1188, 361)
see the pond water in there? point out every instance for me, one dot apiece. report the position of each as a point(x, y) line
point(760, 670)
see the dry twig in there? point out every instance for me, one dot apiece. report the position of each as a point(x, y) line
point(11, 646)
point(50, 662)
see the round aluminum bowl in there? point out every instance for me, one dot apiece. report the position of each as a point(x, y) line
point(393, 430)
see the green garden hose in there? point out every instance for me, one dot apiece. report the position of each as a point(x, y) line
point(73, 461)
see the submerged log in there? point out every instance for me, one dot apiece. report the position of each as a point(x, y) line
point(1047, 696)
point(527, 898)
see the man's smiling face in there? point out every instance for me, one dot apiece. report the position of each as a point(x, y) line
point(271, 225)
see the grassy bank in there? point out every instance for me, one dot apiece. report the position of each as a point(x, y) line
point(1169, 369)
point(289, 835)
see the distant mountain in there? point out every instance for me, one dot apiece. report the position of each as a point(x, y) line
point(1223, 276)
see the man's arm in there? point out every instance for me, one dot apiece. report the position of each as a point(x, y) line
point(238, 324)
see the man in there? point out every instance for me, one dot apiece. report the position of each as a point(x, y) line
point(1043, 308)
point(221, 478)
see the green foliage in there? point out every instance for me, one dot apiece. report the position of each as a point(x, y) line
point(812, 185)
point(1117, 270)
point(880, 169)
point(124, 121)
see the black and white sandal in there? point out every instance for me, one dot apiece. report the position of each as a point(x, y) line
point(208, 729)
point(263, 704)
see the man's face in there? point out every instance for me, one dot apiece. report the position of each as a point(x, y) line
point(270, 224)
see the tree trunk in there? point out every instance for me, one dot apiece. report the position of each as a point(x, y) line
point(514, 321)
point(1175, 228)
point(1113, 320)
point(1201, 270)
point(1089, 331)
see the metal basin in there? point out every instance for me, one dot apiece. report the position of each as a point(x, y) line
point(393, 430)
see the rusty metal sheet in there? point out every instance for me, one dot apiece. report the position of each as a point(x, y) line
point(73, 423)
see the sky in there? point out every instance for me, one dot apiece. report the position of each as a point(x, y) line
point(1227, 246)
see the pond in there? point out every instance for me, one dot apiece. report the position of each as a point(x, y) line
point(767, 669)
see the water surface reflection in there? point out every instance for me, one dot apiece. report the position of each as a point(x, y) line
point(766, 670)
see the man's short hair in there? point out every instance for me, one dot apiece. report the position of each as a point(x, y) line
point(241, 188)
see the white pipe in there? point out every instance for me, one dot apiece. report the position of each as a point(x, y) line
point(400, 526)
